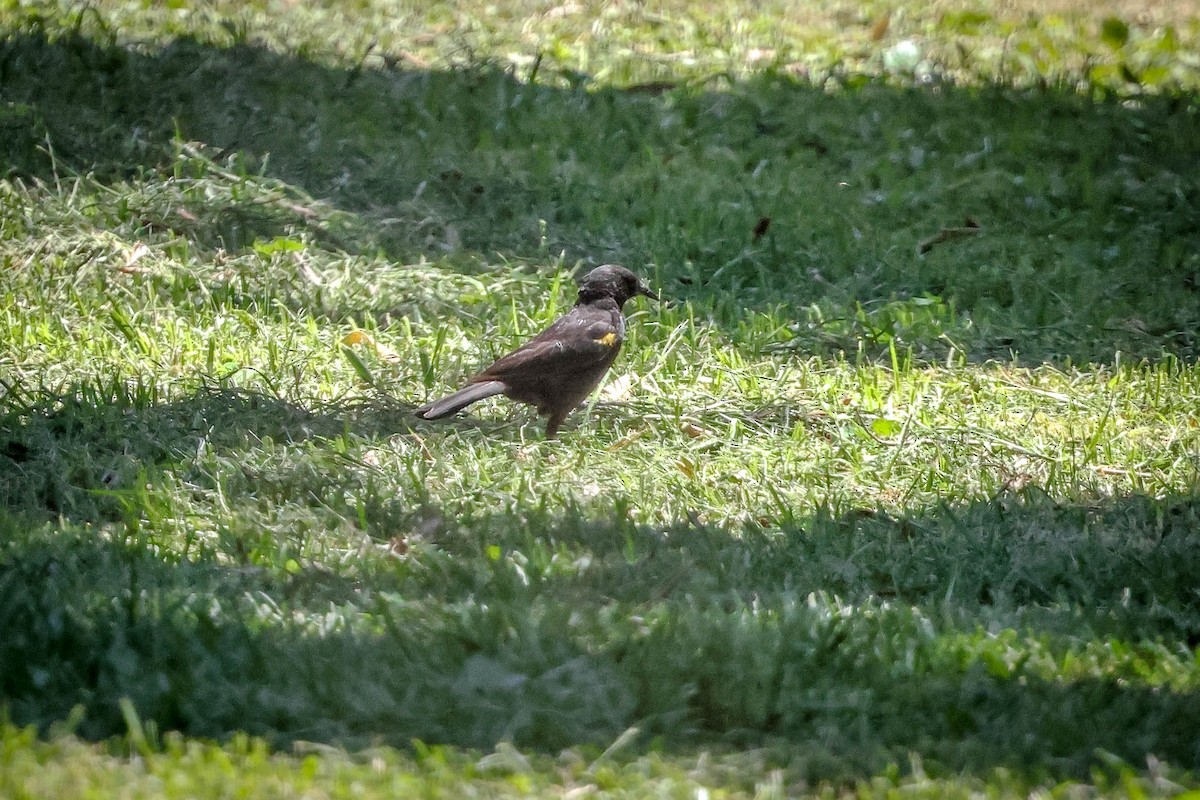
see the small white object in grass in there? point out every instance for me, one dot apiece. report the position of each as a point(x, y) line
point(617, 389)
point(903, 56)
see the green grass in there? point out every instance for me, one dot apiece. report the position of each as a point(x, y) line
point(865, 509)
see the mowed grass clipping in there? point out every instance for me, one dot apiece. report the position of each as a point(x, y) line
point(896, 491)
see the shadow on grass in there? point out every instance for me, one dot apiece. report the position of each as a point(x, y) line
point(80, 453)
point(1086, 207)
point(585, 626)
point(1017, 632)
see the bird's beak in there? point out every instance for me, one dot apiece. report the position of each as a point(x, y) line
point(644, 289)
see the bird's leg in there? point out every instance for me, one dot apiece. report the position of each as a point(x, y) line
point(556, 419)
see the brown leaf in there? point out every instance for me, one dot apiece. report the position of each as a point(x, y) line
point(651, 87)
point(947, 235)
point(880, 28)
point(302, 211)
point(760, 230)
point(384, 352)
point(625, 441)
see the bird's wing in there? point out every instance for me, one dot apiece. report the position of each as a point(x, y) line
point(574, 342)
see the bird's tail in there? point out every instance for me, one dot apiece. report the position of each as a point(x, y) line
point(460, 399)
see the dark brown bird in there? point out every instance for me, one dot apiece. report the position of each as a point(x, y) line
point(557, 369)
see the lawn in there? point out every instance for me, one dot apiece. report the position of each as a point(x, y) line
point(895, 492)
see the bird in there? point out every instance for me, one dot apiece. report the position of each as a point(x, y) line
point(556, 370)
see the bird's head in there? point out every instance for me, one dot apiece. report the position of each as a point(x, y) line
point(612, 280)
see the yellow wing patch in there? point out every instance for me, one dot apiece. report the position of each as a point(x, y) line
point(608, 340)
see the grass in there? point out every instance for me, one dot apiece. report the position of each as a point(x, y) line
point(895, 494)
